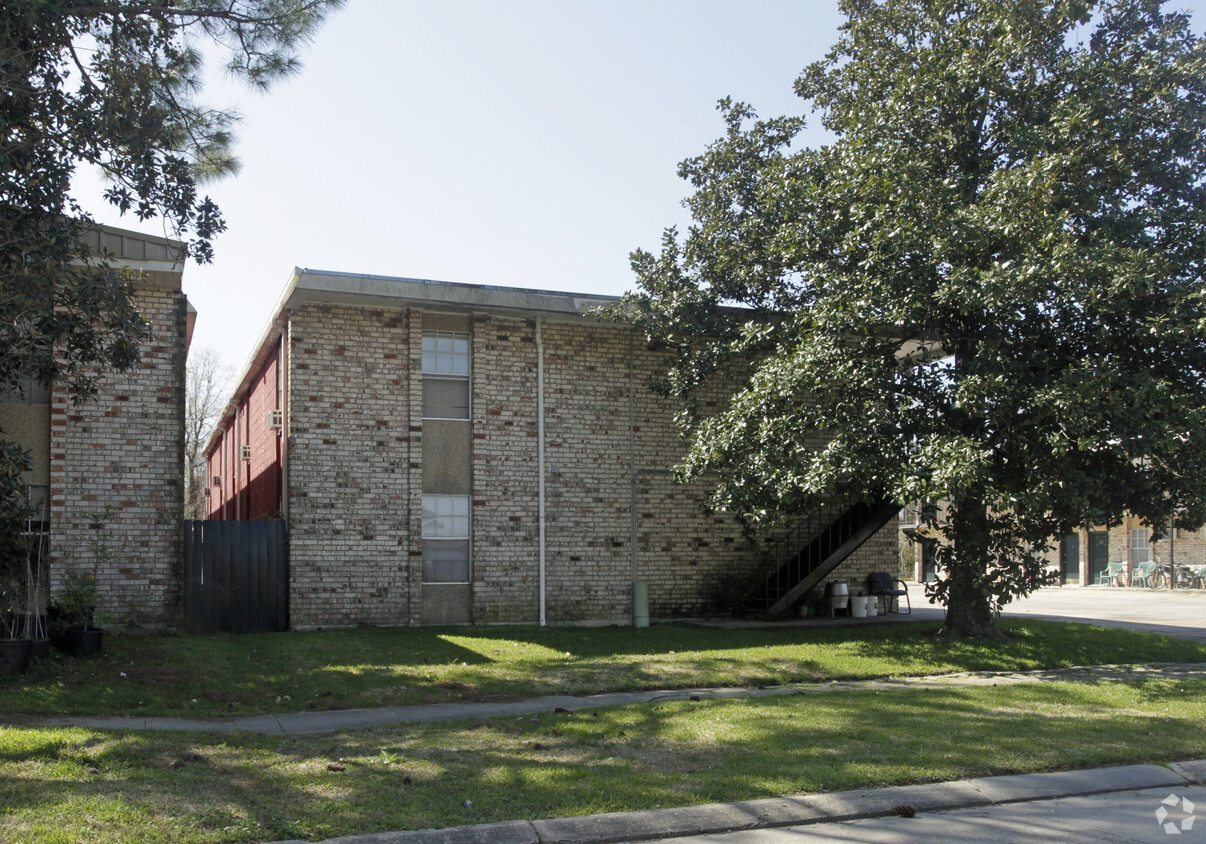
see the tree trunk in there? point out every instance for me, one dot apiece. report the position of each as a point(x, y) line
point(969, 607)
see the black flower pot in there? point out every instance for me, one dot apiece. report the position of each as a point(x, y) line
point(78, 641)
point(14, 656)
point(39, 648)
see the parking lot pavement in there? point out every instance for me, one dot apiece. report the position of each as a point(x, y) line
point(1180, 612)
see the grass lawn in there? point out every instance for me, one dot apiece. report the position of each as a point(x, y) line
point(281, 672)
point(69, 785)
point(99, 786)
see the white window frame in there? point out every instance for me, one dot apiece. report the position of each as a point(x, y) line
point(1143, 544)
point(444, 361)
point(448, 518)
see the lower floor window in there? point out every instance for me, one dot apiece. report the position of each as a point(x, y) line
point(445, 560)
point(446, 539)
point(1139, 547)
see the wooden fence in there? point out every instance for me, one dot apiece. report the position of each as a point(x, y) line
point(236, 577)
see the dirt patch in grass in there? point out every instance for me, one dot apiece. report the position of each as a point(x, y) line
point(158, 674)
point(453, 686)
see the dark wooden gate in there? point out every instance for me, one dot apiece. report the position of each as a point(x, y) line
point(236, 577)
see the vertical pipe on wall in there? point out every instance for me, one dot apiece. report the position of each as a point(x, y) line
point(1172, 562)
point(282, 402)
point(540, 456)
point(633, 527)
point(236, 489)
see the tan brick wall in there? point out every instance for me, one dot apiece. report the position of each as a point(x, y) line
point(504, 499)
point(694, 563)
point(350, 467)
point(126, 449)
point(355, 477)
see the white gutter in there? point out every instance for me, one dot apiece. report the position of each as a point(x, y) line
point(633, 479)
point(282, 392)
point(540, 454)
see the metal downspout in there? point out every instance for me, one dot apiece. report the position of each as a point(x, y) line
point(237, 465)
point(540, 457)
point(634, 529)
point(282, 402)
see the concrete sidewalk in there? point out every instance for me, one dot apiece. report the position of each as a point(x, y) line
point(794, 816)
point(300, 723)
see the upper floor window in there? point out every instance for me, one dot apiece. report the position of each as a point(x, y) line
point(29, 391)
point(446, 353)
point(445, 375)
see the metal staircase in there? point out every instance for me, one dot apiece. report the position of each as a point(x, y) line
point(813, 548)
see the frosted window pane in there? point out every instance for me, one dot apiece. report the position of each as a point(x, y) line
point(445, 398)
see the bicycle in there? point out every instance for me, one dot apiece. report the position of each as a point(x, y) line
point(1158, 579)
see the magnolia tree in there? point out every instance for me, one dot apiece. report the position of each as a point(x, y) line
point(986, 290)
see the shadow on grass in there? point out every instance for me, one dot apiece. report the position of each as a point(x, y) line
point(563, 764)
point(286, 672)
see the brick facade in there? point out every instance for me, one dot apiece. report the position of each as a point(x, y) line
point(249, 486)
point(351, 495)
point(353, 466)
point(125, 450)
point(1188, 548)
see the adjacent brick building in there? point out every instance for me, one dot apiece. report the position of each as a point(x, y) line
point(124, 451)
point(455, 453)
point(1083, 557)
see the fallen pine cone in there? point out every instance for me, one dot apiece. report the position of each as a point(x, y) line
point(905, 810)
point(337, 768)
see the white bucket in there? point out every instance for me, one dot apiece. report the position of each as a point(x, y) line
point(858, 606)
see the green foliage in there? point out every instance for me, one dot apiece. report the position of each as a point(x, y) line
point(15, 510)
point(986, 290)
point(111, 84)
point(78, 598)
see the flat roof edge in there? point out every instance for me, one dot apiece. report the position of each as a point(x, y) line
point(354, 289)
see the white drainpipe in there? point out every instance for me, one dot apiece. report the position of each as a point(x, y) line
point(540, 454)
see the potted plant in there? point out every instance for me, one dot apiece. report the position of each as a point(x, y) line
point(35, 595)
point(14, 644)
point(36, 627)
point(78, 599)
point(14, 519)
point(75, 604)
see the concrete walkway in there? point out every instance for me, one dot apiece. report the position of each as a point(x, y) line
point(941, 814)
point(299, 723)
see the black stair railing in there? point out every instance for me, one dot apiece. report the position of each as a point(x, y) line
point(810, 550)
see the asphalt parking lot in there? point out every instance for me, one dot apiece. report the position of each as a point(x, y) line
point(1180, 612)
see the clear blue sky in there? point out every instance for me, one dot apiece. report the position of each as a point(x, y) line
point(528, 143)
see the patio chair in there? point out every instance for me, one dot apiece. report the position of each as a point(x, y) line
point(883, 583)
point(1110, 576)
point(1199, 577)
point(1141, 573)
